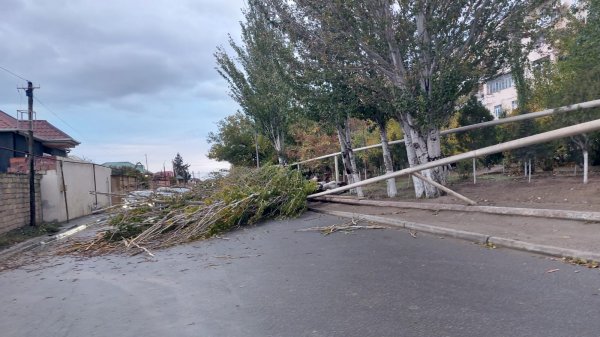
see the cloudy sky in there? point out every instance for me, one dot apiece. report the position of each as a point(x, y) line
point(124, 77)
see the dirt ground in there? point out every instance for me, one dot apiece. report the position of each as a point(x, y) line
point(544, 191)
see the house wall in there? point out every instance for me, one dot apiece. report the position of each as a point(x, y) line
point(14, 145)
point(6, 146)
point(14, 201)
point(78, 183)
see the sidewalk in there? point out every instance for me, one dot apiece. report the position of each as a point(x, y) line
point(554, 237)
point(67, 229)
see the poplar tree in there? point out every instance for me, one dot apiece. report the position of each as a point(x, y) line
point(255, 77)
point(575, 77)
point(432, 51)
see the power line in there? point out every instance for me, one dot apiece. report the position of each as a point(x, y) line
point(57, 116)
point(49, 157)
point(16, 75)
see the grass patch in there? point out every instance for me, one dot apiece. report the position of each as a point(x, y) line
point(25, 233)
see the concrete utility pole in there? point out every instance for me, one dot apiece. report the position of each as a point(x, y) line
point(29, 94)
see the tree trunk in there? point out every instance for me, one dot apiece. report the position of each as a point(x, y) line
point(585, 166)
point(278, 144)
point(412, 161)
point(343, 131)
point(387, 160)
point(256, 149)
point(583, 142)
point(422, 148)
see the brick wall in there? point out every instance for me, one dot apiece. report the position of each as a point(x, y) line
point(14, 201)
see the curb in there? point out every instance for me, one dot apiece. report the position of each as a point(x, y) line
point(470, 236)
point(500, 210)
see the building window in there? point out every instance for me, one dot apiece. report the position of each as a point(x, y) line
point(542, 64)
point(499, 83)
point(515, 105)
point(497, 111)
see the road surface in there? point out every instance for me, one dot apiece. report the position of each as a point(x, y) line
point(271, 280)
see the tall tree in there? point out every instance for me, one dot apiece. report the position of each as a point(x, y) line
point(255, 77)
point(377, 105)
point(575, 77)
point(325, 95)
point(238, 143)
point(181, 169)
point(327, 99)
point(473, 112)
point(432, 51)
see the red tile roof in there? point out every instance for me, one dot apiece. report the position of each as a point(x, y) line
point(42, 129)
point(7, 121)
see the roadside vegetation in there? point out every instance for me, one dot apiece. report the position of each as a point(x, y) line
point(219, 204)
point(25, 233)
point(315, 77)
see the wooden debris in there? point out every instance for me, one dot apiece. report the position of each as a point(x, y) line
point(243, 197)
point(346, 227)
point(131, 243)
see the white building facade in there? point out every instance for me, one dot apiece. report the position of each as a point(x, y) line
point(499, 94)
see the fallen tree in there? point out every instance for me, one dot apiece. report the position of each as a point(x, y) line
point(225, 202)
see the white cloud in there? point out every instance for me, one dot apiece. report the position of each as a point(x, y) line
point(100, 50)
point(131, 77)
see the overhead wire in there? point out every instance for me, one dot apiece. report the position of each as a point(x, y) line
point(14, 74)
point(57, 116)
point(39, 101)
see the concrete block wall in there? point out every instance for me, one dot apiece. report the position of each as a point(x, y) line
point(14, 201)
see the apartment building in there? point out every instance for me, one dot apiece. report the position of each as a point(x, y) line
point(499, 94)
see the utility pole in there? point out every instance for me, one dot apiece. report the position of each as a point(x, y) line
point(29, 94)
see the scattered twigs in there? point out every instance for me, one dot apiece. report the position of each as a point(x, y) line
point(346, 227)
point(131, 243)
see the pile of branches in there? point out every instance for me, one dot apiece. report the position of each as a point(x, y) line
point(222, 203)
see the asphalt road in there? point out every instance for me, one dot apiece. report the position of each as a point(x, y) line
point(274, 281)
